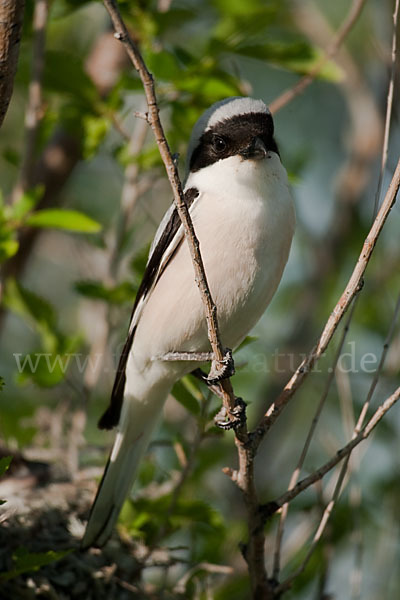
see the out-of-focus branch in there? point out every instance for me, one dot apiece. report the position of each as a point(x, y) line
point(389, 106)
point(357, 430)
point(34, 109)
point(63, 151)
point(353, 286)
point(362, 145)
point(122, 34)
point(318, 474)
point(296, 473)
point(11, 19)
point(343, 31)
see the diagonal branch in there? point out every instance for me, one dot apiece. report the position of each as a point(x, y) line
point(296, 473)
point(347, 25)
point(353, 286)
point(389, 106)
point(122, 34)
point(343, 470)
point(317, 475)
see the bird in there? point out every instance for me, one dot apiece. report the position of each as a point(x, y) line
point(242, 210)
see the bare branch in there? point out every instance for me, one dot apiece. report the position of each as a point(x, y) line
point(11, 19)
point(340, 454)
point(343, 31)
point(353, 286)
point(343, 470)
point(122, 34)
point(296, 473)
point(389, 105)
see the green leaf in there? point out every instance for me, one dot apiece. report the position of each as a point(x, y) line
point(64, 73)
point(29, 305)
point(37, 311)
point(4, 465)
point(45, 369)
point(25, 561)
point(5, 462)
point(184, 397)
point(212, 87)
point(70, 220)
point(123, 292)
point(11, 156)
point(95, 130)
point(163, 65)
point(8, 247)
point(26, 202)
point(249, 339)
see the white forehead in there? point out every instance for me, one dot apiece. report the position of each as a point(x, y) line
point(220, 111)
point(231, 107)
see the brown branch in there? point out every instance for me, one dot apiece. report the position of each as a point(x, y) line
point(122, 34)
point(296, 473)
point(318, 474)
point(343, 31)
point(343, 470)
point(11, 19)
point(353, 286)
point(389, 106)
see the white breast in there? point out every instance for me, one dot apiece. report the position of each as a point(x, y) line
point(244, 219)
point(245, 224)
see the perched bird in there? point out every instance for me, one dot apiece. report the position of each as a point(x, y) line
point(243, 216)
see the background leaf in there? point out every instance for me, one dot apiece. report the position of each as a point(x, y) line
point(70, 220)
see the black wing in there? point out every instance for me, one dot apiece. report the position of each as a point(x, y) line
point(111, 416)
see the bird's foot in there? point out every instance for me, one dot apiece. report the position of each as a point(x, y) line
point(221, 369)
point(233, 419)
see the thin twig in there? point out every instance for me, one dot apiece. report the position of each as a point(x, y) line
point(34, 109)
point(180, 587)
point(318, 475)
point(353, 286)
point(296, 473)
point(389, 105)
point(340, 454)
point(364, 410)
point(122, 34)
point(343, 31)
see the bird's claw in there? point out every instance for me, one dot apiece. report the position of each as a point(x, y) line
point(221, 369)
point(233, 419)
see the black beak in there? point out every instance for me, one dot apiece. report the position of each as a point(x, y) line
point(256, 150)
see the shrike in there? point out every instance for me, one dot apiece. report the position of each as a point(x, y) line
point(243, 215)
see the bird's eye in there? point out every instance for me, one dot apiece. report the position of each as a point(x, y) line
point(219, 144)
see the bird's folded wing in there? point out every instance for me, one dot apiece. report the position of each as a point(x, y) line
point(168, 237)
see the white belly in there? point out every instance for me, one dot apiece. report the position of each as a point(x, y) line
point(245, 226)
